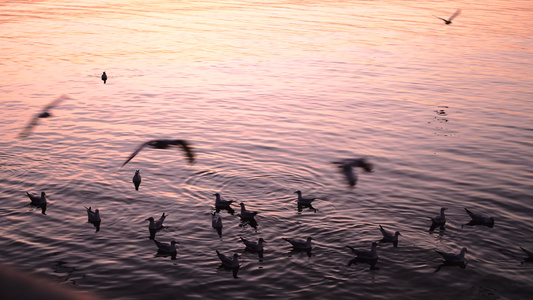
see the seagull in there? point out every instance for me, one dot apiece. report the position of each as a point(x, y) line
point(438, 221)
point(104, 77)
point(528, 253)
point(166, 248)
point(389, 237)
point(253, 246)
point(94, 217)
point(230, 263)
point(38, 201)
point(304, 202)
point(347, 166)
point(43, 114)
point(137, 179)
point(480, 219)
point(452, 257)
point(154, 226)
point(216, 221)
point(449, 21)
point(164, 144)
point(300, 244)
point(221, 204)
point(245, 214)
point(371, 254)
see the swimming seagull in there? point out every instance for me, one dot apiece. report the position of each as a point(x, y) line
point(104, 77)
point(216, 222)
point(166, 248)
point(165, 144)
point(253, 246)
point(154, 226)
point(222, 204)
point(137, 179)
point(438, 221)
point(38, 201)
point(389, 236)
point(304, 202)
point(246, 213)
point(371, 254)
point(300, 244)
point(347, 166)
point(452, 257)
point(43, 114)
point(230, 263)
point(93, 217)
point(479, 219)
point(449, 21)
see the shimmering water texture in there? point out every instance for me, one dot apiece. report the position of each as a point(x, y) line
point(279, 147)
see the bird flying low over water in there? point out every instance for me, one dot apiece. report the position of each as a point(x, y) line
point(39, 202)
point(389, 236)
point(164, 144)
point(449, 21)
point(43, 114)
point(137, 179)
point(477, 219)
point(438, 221)
point(347, 167)
point(104, 77)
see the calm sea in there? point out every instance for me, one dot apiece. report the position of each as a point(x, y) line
point(269, 93)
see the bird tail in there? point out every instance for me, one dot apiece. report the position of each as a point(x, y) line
point(351, 248)
point(381, 227)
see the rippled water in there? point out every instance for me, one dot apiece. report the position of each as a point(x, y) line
point(269, 94)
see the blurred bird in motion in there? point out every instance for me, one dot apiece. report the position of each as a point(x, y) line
point(165, 144)
point(104, 77)
point(347, 166)
point(449, 21)
point(43, 114)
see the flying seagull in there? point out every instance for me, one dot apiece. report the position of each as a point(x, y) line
point(104, 77)
point(164, 144)
point(449, 21)
point(43, 114)
point(347, 168)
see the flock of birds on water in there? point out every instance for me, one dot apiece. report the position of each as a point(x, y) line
point(346, 166)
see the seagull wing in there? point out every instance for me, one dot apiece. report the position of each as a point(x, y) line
point(455, 14)
point(135, 153)
point(26, 131)
point(56, 102)
point(186, 147)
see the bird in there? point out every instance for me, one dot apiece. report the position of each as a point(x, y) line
point(347, 167)
point(216, 222)
point(389, 236)
point(304, 202)
point(165, 247)
point(371, 254)
point(45, 113)
point(246, 213)
point(529, 254)
point(164, 144)
point(104, 77)
point(154, 226)
point(230, 263)
point(38, 201)
point(221, 204)
point(93, 217)
point(300, 244)
point(253, 246)
point(449, 21)
point(137, 179)
point(438, 221)
point(479, 219)
point(452, 257)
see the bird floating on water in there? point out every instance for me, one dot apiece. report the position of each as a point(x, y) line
point(449, 21)
point(230, 263)
point(165, 144)
point(347, 167)
point(223, 204)
point(246, 213)
point(252, 246)
point(300, 244)
point(304, 202)
point(166, 248)
point(45, 113)
point(452, 257)
point(438, 221)
point(371, 254)
point(38, 201)
point(389, 236)
point(93, 217)
point(155, 226)
point(477, 219)
point(216, 223)
point(137, 179)
point(104, 77)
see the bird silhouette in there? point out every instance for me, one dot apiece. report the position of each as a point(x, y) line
point(449, 21)
point(165, 144)
point(104, 77)
point(45, 113)
point(137, 179)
